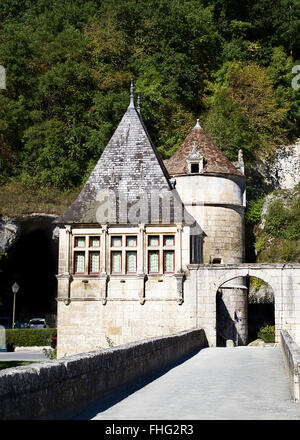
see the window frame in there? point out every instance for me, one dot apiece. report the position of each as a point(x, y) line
point(90, 238)
point(126, 241)
point(116, 236)
point(75, 262)
point(111, 262)
point(153, 245)
point(90, 252)
point(164, 241)
point(76, 237)
point(164, 260)
point(126, 261)
point(158, 264)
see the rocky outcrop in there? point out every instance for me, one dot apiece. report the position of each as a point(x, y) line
point(11, 229)
point(9, 233)
point(264, 294)
point(279, 171)
point(283, 169)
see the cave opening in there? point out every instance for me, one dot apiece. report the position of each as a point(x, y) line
point(32, 263)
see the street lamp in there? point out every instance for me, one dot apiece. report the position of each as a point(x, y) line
point(15, 289)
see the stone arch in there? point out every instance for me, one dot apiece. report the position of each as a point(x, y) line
point(234, 273)
point(227, 275)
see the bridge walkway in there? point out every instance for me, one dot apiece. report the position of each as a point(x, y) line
point(241, 383)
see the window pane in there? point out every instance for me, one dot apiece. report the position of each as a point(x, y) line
point(116, 241)
point(131, 261)
point(79, 241)
point(154, 261)
point(94, 241)
point(153, 240)
point(169, 240)
point(169, 261)
point(131, 241)
point(79, 262)
point(116, 261)
point(94, 262)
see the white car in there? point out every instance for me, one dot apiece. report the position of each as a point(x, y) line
point(37, 323)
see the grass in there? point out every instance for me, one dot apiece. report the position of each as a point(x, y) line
point(18, 199)
point(12, 364)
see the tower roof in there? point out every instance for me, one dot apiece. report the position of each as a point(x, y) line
point(198, 141)
point(128, 167)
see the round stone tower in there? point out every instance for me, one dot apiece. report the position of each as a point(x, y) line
point(213, 192)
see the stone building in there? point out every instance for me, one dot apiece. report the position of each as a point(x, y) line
point(127, 241)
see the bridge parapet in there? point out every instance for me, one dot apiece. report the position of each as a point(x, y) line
point(291, 357)
point(63, 388)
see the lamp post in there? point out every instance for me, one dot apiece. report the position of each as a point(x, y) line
point(15, 289)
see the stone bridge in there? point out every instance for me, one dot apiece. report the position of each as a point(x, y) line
point(284, 279)
point(175, 377)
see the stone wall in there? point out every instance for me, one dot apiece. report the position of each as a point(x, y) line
point(291, 357)
point(62, 389)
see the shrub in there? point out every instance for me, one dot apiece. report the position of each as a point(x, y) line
point(254, 209)
point(277, 219)
point(267, 333)
point(30, 337)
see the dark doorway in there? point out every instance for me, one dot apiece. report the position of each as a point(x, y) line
point(32, 262)
point(258, 312)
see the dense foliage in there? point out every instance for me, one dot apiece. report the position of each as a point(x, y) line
point(69, 65)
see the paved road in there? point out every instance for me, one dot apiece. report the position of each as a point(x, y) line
point(23, 356)
point(216, 384)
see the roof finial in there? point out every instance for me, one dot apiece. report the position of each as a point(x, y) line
point(131, 104)
point(139, 103)
point(198, 125)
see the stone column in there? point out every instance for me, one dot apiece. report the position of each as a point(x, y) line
point(67, 277)
point(179, 275)
point(178, 248)
point(104, 278)
point(141, 263)
point(141, 250)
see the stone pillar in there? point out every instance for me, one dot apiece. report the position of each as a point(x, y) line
point(66, 278)
point(104, 278)
point(232, 313)
point(178, 250)
point(141, 250)
point(141, 264)
point(179, 275)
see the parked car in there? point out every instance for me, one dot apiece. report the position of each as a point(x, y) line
point(37, 323)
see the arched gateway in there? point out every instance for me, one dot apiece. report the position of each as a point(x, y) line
point(284, 279)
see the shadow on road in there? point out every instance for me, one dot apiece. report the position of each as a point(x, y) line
point(117, 396)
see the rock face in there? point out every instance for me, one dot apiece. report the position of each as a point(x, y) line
point(282, 171)
point(263, 295)
point(11, 229)
point(9, 233)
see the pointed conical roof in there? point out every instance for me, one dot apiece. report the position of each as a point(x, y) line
point(215, 162)
point(128, 167)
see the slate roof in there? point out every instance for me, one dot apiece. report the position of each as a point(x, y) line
point(130, 167)
point(215, 161)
